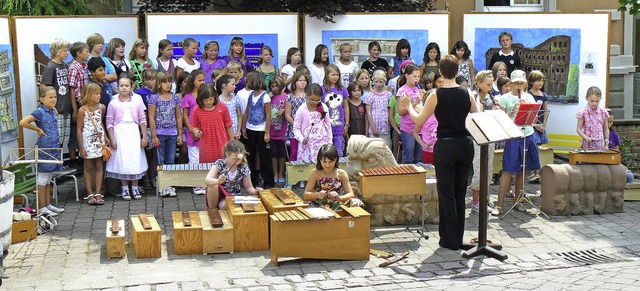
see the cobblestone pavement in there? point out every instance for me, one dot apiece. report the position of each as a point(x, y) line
point(533, 243)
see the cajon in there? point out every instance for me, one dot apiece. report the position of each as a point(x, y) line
point(216, 239)
point(115, 239)
point(145, 241)
point(250, 229)
point(187, 233)
point(280, 199)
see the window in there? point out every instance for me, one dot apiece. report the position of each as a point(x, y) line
point(511, 5)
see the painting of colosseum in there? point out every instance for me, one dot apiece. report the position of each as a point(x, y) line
point(554, 52)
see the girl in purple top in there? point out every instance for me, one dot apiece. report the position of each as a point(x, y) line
point(210, 60)
point(278, 130)
point(237, 53)
point(335, 97)
point(165, 120)
point(411, 149)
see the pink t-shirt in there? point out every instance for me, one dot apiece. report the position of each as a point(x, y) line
point(429, 131)
point(278, 129)
point(406, 124)
point(189, 102)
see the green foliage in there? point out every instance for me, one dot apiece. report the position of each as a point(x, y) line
point(44, 7)
point(630, 158)
point(633, 6)
point(572, 82)
point(324, 10)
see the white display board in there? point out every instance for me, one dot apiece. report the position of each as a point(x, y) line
point(572, 50)
point(30, 31)
point(387, 29)
point(8, 106)
point(277, 30)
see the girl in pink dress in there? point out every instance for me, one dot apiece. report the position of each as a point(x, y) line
point(592, 122)
point(311, 125)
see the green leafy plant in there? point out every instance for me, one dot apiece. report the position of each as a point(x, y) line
point(630, 158)
point(44, 7)
point(632, 5)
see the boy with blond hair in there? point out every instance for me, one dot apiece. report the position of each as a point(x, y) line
point(56, 75)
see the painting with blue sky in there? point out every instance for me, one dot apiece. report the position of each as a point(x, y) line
point(388, 39)
point(554, 51)
point(252, 44)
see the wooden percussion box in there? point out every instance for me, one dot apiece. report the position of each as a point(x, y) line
point(145, 236)
point(115, 239)
point(250, 229)
point(343, 236)
point(216, 239)
point(183, 175)
point(607, 157)
point(398, 180)
point(281, 199)
point(187, 233)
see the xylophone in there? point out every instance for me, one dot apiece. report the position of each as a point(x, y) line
point(280, 199)
point(609, 157)
point(377, 181)
point(343, 236)
point(299, 171)
point(184, 175)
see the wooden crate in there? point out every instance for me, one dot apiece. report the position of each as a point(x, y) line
point(273, 204)
point(145, 242)
point(343, 237)
point(216, 239)
point(23, 230)
point(116, 241)
point(250, 230)
point(187, 240)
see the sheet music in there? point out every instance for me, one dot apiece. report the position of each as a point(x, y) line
point(319, 212)
point(491, 126)
point(506, 123)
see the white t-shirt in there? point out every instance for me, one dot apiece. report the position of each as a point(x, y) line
point(289, 70)
point(266, 99)
point(186, 67)
point(317, 74)
point(243, 95)
point(347, 72)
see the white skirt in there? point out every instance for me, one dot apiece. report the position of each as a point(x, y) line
point(128, 161)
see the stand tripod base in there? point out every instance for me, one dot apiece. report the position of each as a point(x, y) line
point(487, 251)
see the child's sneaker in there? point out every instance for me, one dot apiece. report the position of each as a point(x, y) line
point(171, 192)
point(475, 206)
point(126, 195)
point(199, 191)
point(281, 180)
point(136, 194)
point(55, 209)
point(45, 210)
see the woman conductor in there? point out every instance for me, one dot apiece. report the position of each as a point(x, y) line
point(453, 153)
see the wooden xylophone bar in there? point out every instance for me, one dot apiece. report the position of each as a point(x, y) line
point(389, 171)
point(284, 196)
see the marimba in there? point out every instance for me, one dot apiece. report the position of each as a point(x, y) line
point(397, 180)
point(299, 171)
point(343, 236)
point(280, 199)
point(609, 157)
point(183, 175)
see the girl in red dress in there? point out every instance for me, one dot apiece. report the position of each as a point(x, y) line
point(212, 124)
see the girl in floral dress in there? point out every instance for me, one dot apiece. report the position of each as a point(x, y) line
point(328, 185)
point(91, 137)
point(311, 125)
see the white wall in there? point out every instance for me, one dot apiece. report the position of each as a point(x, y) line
point(43, 30)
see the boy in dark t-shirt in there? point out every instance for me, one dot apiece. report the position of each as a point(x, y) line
point(506, 55)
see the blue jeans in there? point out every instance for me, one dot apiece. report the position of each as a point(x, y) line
point(411, 149)
point(167, 150)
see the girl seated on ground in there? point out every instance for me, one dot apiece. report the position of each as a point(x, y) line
point(227, 174)
point(327, 185)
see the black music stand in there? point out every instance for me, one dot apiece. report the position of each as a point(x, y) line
point(485, 128)
point(527, 115)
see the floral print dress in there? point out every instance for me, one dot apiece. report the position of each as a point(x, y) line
point(316, 135)
point(92, 137)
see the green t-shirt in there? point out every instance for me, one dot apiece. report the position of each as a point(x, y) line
point(508, 101)
point(393, 104)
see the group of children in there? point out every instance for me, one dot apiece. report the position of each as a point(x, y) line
point(211, 110)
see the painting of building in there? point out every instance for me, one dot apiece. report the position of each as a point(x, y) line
point(8, 122)
point(551, 57)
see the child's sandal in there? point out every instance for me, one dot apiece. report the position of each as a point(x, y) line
point(99, 199)
point(92, 199)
